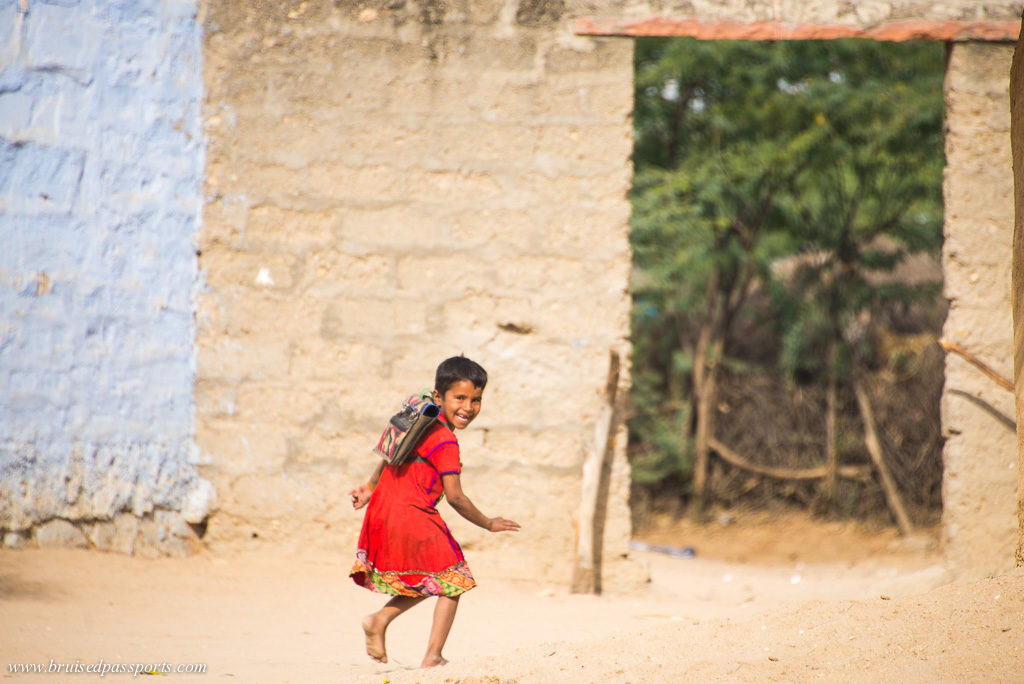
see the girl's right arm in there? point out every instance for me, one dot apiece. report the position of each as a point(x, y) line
point(468, 510)
point(361, 494)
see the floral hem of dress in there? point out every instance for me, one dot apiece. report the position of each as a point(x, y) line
point(449, 582)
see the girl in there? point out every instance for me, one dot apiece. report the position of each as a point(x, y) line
point(405, 548)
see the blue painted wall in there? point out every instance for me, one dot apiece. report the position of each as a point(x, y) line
point(101, 163)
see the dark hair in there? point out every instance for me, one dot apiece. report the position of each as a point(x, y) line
point(458, 368)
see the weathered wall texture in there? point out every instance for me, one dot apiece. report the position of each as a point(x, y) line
point(392, 183)
point(980, 476)
point(386, 188)
point(864, 13)
point(100, 169)
point(388, 183)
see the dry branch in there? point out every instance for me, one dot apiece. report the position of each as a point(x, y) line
point(977, 363)
point(892, 495)
point(730, 456)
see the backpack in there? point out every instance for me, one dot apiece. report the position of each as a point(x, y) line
point(406, 428)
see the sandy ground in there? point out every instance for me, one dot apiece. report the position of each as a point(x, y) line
point(761, 601)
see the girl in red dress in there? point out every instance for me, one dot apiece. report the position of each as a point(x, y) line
point(405, 548)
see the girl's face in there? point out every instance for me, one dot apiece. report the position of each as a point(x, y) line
point(461, 403)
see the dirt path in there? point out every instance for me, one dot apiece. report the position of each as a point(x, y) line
point(869, 610)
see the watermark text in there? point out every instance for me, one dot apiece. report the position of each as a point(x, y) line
point(102, 668)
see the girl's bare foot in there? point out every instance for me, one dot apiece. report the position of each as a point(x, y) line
point(374, 639)
point(433, 661)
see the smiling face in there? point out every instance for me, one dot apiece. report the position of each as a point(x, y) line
point(460, 403)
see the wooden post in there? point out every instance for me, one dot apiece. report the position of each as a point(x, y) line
point(831, 448)
point(586, 576)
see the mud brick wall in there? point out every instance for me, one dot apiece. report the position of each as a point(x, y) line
point(387, 188)
point(980, 459)
point(383, 184)
point(100, 177)
point(389, 184)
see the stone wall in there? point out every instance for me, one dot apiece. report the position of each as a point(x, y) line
point(391, 183)
point(386, 184)
point(980, 460)
point(387, 188)
point(100, 165)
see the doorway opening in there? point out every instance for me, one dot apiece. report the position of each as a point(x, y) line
point(787, 229)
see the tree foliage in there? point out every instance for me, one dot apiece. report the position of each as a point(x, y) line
point(802, 173)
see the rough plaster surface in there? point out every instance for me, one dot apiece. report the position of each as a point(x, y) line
point(100, 169)
point(980, 461)
point(388, 184)
point(415, 190)
point(863, 14)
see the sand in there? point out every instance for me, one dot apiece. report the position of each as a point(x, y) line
point(764, 601)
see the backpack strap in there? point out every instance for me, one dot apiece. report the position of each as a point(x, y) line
point(425, 459)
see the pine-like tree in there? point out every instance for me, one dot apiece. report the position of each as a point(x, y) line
point(826, 156)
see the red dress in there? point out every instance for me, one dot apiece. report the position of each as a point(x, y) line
point(405, 547)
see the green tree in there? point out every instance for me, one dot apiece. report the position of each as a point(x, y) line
point(825, 153)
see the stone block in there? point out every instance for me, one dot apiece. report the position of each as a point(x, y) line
point(545, 189)
point(453, 273)
point(980, 69)
point(601, 230)
point(39, 179)
point(253, 316)
point(225, 221)
point(279, 227)
point(379, 182)
point(17, 108)
point(326, 450)
point(282, 403)
point(391, 141)
point(126, 529)
point(400, 228)
point(335, 361)
point(497, 230)
point(59, 534)
point(376, 319)
point(101, 535)
point(491, 314)
point(558, 274)
point(14, 540)
point(492, 143)
point(585, 148)
point(569, 321)
point(200, 503)
point(562, 449)
point(273, 271)
point(216, 399)
point(150, 538)
point(414, 368)
point(11, 25)
point(260, 500)
point(450, 186)
point(60, 38)
point(231, 359)
point(236, 447)
point(330, 273)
